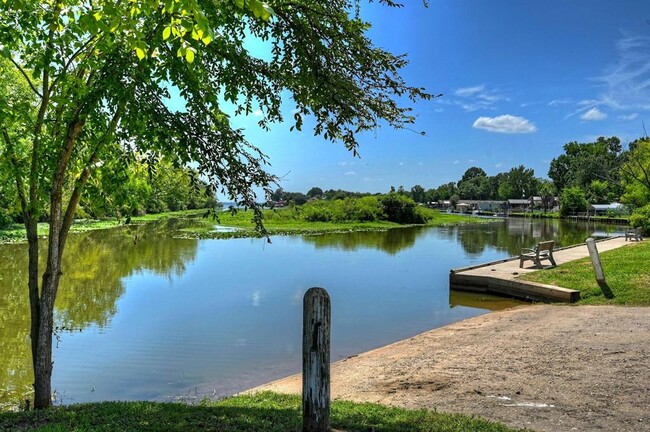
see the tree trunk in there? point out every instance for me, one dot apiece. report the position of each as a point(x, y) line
point(42, 354)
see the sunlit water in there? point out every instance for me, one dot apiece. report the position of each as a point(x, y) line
point(144, 315)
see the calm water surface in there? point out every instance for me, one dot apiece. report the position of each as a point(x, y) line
point(144, 315)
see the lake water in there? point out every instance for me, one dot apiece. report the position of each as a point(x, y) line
point(145, 315)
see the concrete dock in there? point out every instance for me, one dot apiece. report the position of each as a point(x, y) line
point(501, 277)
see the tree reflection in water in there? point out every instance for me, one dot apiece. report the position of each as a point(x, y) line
point(94, 266)
point(390, 241)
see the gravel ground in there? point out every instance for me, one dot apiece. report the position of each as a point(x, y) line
point(547, 368)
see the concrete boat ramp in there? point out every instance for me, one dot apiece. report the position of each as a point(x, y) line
point(501, 277)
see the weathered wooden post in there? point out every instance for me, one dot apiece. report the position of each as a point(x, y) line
point(316, 361)
point(598, 269)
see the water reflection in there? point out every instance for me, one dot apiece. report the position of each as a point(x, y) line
point(517, 233)
point(480, 301)
point(94, 266)
point(391, 241)
point(153, 317)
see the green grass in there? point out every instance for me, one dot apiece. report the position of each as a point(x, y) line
point(15, 233)
point(627, 272)
point(277, 222)
point(264, 412)
point(288, 222)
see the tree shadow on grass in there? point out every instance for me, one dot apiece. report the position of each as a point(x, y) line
point(264, 412)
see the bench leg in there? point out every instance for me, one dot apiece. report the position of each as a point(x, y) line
point(521, 263)
point(552, 260)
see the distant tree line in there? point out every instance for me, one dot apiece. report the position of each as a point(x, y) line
point(144, 186)
point(585, 173)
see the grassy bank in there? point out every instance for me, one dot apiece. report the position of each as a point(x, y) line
point(289, 221)
point(278, 222)
point(15, 233)
point(265, 412)
point(626, 270)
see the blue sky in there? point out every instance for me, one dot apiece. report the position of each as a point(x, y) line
point(520, 79)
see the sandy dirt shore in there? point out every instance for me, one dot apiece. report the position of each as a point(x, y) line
point(547, 368)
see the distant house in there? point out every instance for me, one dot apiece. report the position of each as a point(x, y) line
point(604, 209)
point(483, 205)
point(518, 204)
point(537, 202)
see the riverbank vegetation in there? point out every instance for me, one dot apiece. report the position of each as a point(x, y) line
point(598, 172)
point(264, 412)
point(15, 233)
point(351, 214)
point(626, 271)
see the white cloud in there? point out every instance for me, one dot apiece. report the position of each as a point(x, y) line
point(505, 124)
point(625, 85)
point(470, 91)
point(477, 97)
point(373, 179)
point(456, 162)
point(498, 165)
point(258, 113)
point(350, 173)
point(628, 117)
point(347, 163)
point(401, 164)
point(594, 114)
point(561, 101)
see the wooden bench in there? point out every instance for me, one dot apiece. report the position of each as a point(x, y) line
point(542, 251)
point(634, 234)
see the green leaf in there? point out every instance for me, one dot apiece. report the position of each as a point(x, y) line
point(98, 15)
point(167, 32)
point(189, 55)
point(140, 53)
point(207, 39)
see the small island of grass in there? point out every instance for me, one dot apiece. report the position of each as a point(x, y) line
point(370, 213)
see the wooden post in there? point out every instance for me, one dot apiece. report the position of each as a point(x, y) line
point(316, 361)
point(598, 269)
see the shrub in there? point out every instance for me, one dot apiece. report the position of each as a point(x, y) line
point(5, 218)
point(317, 211)
point(401, 209)
point(572, 200)
point(641, 218)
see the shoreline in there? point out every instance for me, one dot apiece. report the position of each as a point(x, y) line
point(239, 226)
point(545, 367)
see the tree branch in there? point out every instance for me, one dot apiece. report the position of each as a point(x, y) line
point(29, 81)
point(83, 179)
point(40, 118)
point(19, 181)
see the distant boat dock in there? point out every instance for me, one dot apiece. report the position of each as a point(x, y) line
point(501, 277)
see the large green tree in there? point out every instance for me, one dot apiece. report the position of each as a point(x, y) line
point(519, 182)
point(582, 163)
point(99, 75)
point(635, 173)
